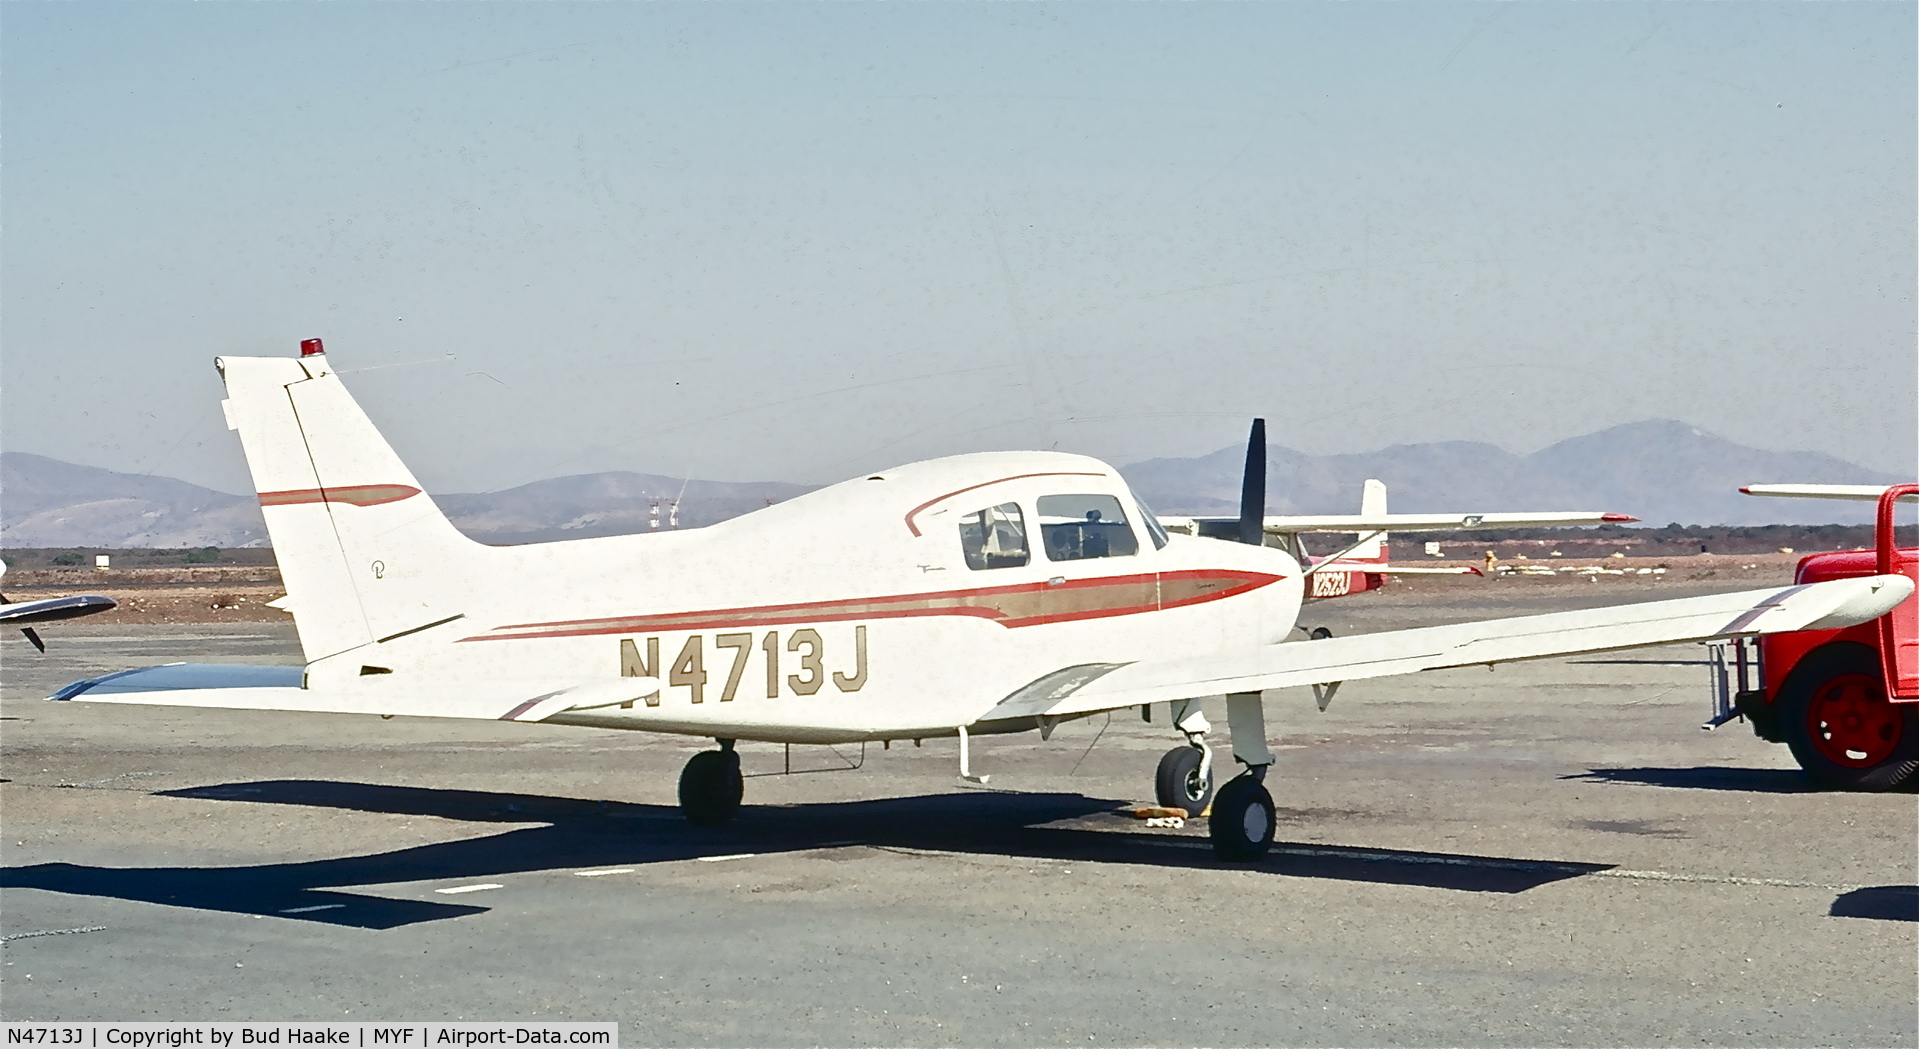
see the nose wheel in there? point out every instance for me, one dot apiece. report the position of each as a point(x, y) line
point(1185, 779)
point(710, 786)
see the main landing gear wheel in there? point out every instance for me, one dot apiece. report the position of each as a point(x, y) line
point(1242, 823)
point(1842, 729)
point(1183, 781)
point(710, 786)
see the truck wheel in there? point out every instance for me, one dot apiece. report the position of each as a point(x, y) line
point(1179, 784)
point(1835, 716)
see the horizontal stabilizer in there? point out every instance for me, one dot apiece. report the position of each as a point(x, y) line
point(1814, 606)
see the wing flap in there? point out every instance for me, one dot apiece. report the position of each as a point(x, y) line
point(1809, 607)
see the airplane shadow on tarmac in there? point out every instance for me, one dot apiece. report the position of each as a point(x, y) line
point(572, 833)
point(1707, 777)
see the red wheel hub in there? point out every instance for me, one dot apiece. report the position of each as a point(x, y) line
point(1851, 722)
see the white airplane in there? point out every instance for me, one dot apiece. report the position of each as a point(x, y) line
point(24, 614)
point(986, 593)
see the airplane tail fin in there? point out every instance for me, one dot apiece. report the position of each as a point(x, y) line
point(1372, 503)
point(364, 553)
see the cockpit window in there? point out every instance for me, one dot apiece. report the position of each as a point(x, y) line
point(994, 537)
point(1077, 527)
point(1154, 530)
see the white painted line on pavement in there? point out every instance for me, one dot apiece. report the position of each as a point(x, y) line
point(315, 907)
point(51, 932)
point(734, 856)
point(469, 888)
point(595, 874)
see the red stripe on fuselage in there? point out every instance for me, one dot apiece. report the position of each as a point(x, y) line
point(1019, 605)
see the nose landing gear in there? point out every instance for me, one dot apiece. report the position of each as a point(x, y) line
point(1185, 779)
point(1242, 820)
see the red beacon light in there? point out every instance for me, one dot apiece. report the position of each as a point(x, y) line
point(311, 348)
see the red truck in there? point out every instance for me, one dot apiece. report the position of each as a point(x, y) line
point(1846, 701)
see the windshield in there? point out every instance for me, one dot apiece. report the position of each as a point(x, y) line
point(1154, 530)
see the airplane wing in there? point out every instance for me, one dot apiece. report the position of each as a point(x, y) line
point(47, 610)
point(1437, 522)
point(1400, 522)
point(240, 687)
point(1868, 492)
point(1812, 606)
point(1380, 568)
point(24, 614)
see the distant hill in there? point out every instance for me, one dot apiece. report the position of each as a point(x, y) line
point(1659, 471)
point(617, 503)
point(46, 502)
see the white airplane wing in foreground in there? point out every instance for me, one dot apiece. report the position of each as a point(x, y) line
point(1809, 607)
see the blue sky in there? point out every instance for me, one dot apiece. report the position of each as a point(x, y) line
point(802, 241)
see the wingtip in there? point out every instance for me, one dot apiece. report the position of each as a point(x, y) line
point(1617, 518)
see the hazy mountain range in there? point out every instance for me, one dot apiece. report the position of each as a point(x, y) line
point(1659, 471)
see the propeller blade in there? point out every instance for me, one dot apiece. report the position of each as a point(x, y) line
point(34, 637)
point(1252, 488)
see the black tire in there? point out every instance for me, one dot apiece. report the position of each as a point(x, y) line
point(1842, 730)
point(1242, 823)
point(710, 788)
point(1179, 784)
point(1320, 633)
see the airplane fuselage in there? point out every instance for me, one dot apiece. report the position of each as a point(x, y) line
point(956, 583)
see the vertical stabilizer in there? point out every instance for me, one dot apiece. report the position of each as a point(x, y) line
point(365, 554)
point(1372, 503)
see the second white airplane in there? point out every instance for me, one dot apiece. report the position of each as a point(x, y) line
point(986, 593)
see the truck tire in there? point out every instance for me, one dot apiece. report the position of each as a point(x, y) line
point(1842, 730)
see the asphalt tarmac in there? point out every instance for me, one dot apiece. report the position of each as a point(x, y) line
point(1549, 853)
